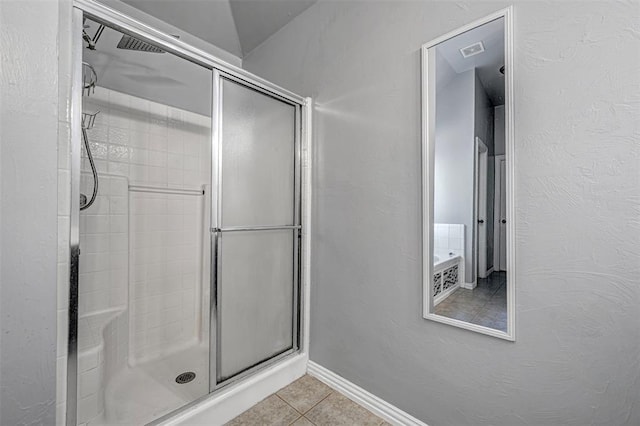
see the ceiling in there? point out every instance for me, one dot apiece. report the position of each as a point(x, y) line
point(158, 77)
point(487, 63)
point(237, 26)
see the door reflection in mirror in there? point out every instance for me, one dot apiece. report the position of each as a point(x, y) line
point(467, 146)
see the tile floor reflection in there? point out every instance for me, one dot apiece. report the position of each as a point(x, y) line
point(485, 305)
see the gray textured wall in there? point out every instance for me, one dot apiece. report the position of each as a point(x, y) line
point(577, 356)
point(28, 222)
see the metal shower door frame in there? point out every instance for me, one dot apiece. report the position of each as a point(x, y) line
point(104, 14)
point(217, 230)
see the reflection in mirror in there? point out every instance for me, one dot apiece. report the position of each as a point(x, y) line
point(466, 146)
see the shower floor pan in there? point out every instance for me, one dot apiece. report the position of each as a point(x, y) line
point(147, 391)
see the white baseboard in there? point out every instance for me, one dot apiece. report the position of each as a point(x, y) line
point(377, 406)
point(487, 272)
point(469, 286)
point(236, 399)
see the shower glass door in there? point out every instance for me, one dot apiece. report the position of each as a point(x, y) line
point(256, 239)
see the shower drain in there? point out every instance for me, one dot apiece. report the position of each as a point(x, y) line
point(185, 377)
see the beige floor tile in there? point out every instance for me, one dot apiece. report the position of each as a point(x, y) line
point(302, 422)
point(338, 410)
point(271, 411)
point(304, 393)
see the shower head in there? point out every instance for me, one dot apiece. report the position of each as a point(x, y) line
point(132, 43)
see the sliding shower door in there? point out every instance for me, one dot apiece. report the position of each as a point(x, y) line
point(257, 232)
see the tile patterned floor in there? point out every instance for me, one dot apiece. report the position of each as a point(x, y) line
point(307, 402)
point(485, 305)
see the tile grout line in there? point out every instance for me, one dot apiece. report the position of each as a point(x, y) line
point(302, 415)
point(318, 403)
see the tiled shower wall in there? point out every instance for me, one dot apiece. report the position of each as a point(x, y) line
point(449, 238)
point(104, 243)
point(166, 283)
point(153, 145)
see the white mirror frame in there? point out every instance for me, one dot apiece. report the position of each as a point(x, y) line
point(428, 150)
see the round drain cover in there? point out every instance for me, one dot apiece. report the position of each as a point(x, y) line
point(185, 377)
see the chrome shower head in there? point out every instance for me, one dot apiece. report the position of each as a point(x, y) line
point(131, 43)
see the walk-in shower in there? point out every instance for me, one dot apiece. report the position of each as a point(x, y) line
point(187, 277)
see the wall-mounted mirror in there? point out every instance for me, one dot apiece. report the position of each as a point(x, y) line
point(468, 178)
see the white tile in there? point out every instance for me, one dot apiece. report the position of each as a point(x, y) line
point(157, 127)
point(118, 223)
point(99, 150)
point(119, 187)
point(89, 382)
point(175, 160)
point(87, 408)
point(92, 281)
point(158, 158)
point(118, 205)
point(191, 179)
point(88, 360)
point(118, 296)
point(97, 134)
point(93, 262)
point(158, 175)
point(456, 231)
point(101, 204)
point(95, 301)
point(118, 118)
point(118, 260)
point(441, 243)
point(119, 277)
point(192, 146)
point(116, 168)
point(96, 224)
point(455, 243)
point(139, 134)
point(139, 156)
point(191, 163)
point(119, 153)
point(118, 136)
point(94, 243)
point(175, 144)
point(118, 242)
point(158, 141)
point(175, 177)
